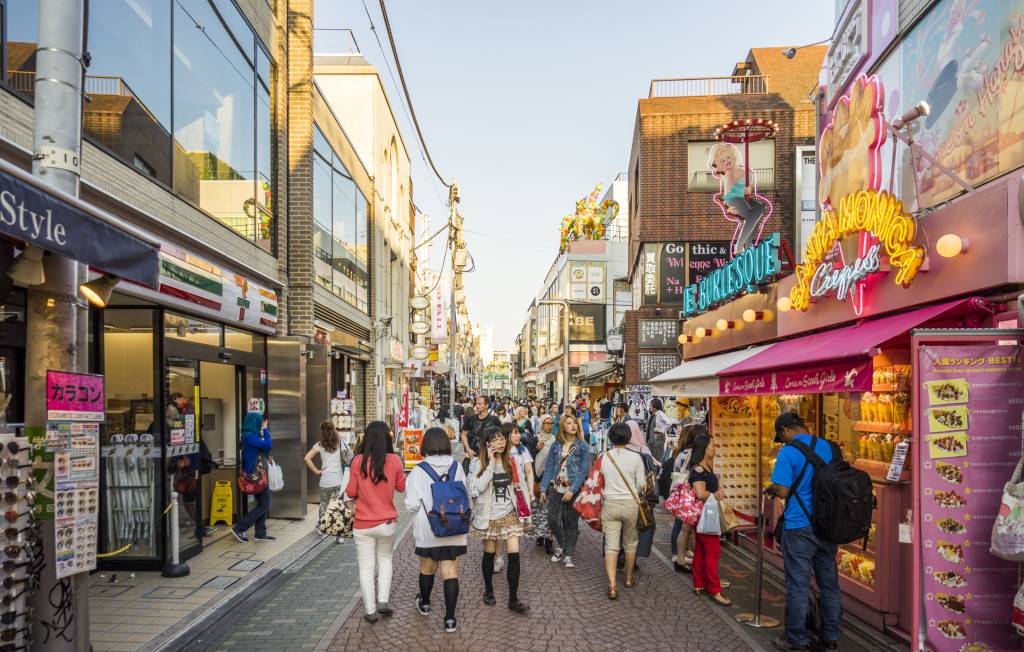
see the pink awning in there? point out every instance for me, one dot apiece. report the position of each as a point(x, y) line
point(847, 347)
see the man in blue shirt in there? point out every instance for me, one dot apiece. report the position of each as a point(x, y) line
point(802, 551)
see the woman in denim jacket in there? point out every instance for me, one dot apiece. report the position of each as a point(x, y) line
point(564, 472)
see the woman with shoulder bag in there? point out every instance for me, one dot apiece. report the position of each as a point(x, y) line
point(624, 477)
point(435, 551)
point(333, 468)
point(708, 547)
point(376, 474)
point(501, 485)
point(256, 444)
point(565, 470)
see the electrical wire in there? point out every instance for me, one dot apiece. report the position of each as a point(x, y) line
point(408, 99)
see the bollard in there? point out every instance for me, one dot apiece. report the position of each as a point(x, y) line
point(174, 567)
point(755, 619)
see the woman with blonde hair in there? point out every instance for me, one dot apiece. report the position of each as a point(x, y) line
point(564, 472)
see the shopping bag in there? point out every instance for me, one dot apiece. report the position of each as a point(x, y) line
point(1018, 611)
point(338, 517)
point(275, 476)
point(683, 503)
point(1008, 529)
point(253, 483)
point(588, 502)
point(729, 521)
point(710, 519)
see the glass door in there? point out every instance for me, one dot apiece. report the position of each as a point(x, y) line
point(182, 446)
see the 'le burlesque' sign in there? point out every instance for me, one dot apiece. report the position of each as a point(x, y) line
point(750, 268)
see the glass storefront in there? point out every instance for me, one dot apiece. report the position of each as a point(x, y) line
point(201, 123)
point(200, 376)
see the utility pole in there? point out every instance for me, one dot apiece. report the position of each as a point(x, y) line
point(53, 307)
point(455, 238)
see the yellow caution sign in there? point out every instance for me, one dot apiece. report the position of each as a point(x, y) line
point(220, 505)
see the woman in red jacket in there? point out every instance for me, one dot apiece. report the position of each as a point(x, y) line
point(375, 475)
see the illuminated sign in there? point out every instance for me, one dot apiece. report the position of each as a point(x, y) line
point(750, 268)
point(884, 229)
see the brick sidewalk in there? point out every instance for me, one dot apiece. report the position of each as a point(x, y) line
point(569, 610)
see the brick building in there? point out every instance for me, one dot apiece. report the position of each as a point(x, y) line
point(676, 228)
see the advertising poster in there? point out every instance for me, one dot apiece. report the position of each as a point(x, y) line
point(672, 271)
point(971, 444)
point(412, 447)
point(702, 258)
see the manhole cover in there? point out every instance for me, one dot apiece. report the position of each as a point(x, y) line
point(247, 565)
point(220, 582)
point(170, 592)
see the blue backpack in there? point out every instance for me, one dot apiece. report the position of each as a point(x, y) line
point(451, 512)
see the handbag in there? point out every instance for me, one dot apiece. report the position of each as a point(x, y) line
point(1008, 528)
point(644, 513)
point(1018, 611)
point(255, 482)
point(683, 503)
point(727, 517)
point(275, 476)
point(710, 518)
point(338, 516)
point(588, 501)
point(522, 504)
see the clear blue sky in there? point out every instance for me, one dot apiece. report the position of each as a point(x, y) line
point(529, 104)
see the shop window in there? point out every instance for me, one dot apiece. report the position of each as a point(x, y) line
point(190, 329)
point(699, 178)
point(131, 434)
point(238, 340)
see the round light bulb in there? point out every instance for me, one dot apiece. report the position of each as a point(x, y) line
point(722, 325)
point(682, 339)
point(784, 304)
point(750, 315)
point(701, 332)
point(950, 245)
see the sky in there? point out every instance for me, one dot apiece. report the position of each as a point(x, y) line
point(530, 104)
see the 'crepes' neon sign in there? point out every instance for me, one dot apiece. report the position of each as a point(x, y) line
point(876, 213)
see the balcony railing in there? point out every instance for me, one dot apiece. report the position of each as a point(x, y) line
point(335, 42)
point(709, 86)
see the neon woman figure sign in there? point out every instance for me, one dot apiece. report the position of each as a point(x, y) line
point(738, 197)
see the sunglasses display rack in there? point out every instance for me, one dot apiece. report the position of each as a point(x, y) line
point(343, 416)
point(21, 556)
point(735, 428)
point(130, 463)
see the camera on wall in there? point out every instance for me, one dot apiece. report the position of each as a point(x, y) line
point(224, 356)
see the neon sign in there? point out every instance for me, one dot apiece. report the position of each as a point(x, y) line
point(885, 230)
point(738, 197)
point(750, 268)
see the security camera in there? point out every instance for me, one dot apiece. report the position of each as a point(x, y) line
point(790, 53)
point(224, 356)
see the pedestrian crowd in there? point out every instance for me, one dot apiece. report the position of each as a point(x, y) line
point(532, 473)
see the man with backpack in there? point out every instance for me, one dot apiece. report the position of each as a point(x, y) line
point(802, 549)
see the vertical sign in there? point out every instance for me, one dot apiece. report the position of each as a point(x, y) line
point(439, 313)
point(702, 258)
point(650, 273)
point(577, 281)
point(74, 410)
point(672, 272)
point(806, 196)
point(969, 417)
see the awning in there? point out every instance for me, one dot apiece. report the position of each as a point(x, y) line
point(595, 372)
point(838, 360)
point(32, 211)
point(698, 378)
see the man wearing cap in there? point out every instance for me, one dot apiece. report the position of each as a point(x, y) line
point(802, 550)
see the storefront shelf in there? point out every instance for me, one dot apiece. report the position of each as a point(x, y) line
point(879, 470)
point(889, 388)
point(884, 428)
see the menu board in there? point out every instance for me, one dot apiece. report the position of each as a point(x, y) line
point(655, 364)
point(971, 443)
point(735, 420)
point(657, 333)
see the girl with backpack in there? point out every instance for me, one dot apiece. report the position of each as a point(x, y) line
point(333, 469)
point(435, 551)
point(377, 473)
point(501, 486)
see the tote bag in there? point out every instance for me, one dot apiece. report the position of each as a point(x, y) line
point(683, 503)
point(710, 518)
point(275, 476)
point(588, 502)
point(1008, 529)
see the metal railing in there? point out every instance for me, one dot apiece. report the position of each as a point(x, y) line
point(337, 42)
point(23, 81)
point(709, 86)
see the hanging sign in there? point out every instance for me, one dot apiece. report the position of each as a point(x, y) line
point(74, 397)
point(756, 265)
point(848, 376)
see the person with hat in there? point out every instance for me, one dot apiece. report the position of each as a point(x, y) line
point(802, 550)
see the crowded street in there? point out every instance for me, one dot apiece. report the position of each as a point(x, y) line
point(367, 325)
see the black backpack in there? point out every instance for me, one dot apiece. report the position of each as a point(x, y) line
point(843, 496)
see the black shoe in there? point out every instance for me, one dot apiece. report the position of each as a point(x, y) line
point(239, 536)
point(265, 537)
point(384, 609)
point(782, 643)
point(549, 548)
point(371, 618)
point(518, 607)
point(422, 607)
point(451, 625)
point(489, 599)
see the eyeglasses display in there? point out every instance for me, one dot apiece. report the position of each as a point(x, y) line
point(20, 542)
point(75, 447)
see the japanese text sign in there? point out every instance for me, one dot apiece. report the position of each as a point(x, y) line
point(74, 397)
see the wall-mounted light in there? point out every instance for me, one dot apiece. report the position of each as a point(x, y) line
point(783, 304)
point(99, 290)
point(688, 339)
point(702, 332)
point(922, 109)
point(335, 355)
point(419, 302)
point(951, 245)
point(27, 268)
point(750, 315)
point(728, 324)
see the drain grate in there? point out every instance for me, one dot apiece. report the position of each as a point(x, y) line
point(219, 582)
point(247, 565)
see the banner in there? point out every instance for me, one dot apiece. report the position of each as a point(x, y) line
point(842, 376)
point(970, 442)
point(439, 313)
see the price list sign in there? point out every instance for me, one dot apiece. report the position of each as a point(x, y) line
point(969, 413)
point(657, 333)
point(74, 411)
point(655, 364)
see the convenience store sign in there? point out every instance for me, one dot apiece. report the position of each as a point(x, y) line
point(843, 376)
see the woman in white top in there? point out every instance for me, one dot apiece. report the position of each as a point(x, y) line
point(333, 466)
point(624, 477)
point(432, 550)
